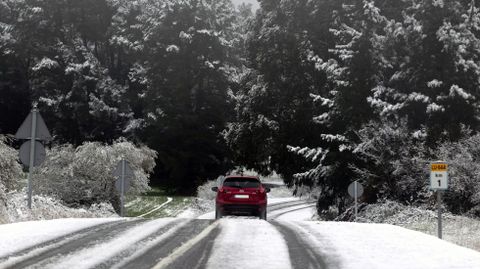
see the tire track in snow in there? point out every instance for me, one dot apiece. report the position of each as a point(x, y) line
point(302, 254)
point(311, 239)
point(168, 244)
point(193, 254)
point(102, 252)
point(58, 240)
point(248, 244)
point(286, 204)
point(278, 209)
point(289, 210)
point(64, 244)
point(126, 254)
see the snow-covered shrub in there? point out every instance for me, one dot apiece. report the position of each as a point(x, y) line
point(392, 212)
point(84, 175)
point(10, 168)
point(205, 191)
point(10, 174)
point(463, 157)
point(44, 207)
point(393, 164)
point(205, 200)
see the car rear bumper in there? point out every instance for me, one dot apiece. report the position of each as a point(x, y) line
point(241, 209)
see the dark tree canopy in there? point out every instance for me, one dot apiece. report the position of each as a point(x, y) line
point(322, 92)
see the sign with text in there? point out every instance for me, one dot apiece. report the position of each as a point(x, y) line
point(439, 176)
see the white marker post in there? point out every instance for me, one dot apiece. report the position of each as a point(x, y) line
point(439, 183)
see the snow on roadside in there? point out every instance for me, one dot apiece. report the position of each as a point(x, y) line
point(277, 200)
point(21, 235)
point(44, 207)
point(357, 245)
point(249, 243)
point(303, 213)
point(208, 215)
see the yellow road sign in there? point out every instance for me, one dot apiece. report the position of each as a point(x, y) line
point(439, 167)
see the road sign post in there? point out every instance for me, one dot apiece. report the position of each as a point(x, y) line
point(355, 190)
point(124, 173)
point(122, 198)
point(33, 128)
point(439, 183)
point(439, 217)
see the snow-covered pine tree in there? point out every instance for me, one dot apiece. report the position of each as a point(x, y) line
point(430, 75)
point(350, 69)
point(273, 103)
point(188, 58)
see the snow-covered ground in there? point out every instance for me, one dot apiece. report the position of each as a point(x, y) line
point(305, 214)
point(360, 245)
point(257, 243)
point(342, 245)
point(90, 257)
point(21, 235)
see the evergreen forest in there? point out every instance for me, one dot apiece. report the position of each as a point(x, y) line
point(322, 92)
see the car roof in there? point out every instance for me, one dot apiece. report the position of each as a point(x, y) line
point(242, 176)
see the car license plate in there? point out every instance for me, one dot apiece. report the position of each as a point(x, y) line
point(241, 196)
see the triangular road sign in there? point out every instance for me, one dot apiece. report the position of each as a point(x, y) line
point(128, 170)
point(25, 131)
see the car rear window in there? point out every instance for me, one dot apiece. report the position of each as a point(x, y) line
point(235, 182)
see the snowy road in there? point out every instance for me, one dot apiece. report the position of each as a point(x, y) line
point(287, 240)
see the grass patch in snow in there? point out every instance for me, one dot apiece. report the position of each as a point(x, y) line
point(141, 204)
point(459, 230)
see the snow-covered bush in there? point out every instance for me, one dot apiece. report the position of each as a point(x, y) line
point(392, 163)
point(392, 212)
point(205, 200)
point(44, 207)
point(463, 157)
point(10, 168)
point(84, 175)
point(10, 174)
point(205, 191)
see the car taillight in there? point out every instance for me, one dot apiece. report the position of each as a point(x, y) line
point(222, 192)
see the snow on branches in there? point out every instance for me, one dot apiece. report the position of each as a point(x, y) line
point(78, 176)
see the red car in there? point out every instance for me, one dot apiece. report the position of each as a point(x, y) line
point(241, 195)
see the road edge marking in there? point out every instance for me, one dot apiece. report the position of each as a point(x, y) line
point(169, 199)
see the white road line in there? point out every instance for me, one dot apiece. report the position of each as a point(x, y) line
point(151, 244)
point(185, 247)
point(169, 199)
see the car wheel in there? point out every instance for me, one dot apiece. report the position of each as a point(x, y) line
point(263, 214)
point(218, 214)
